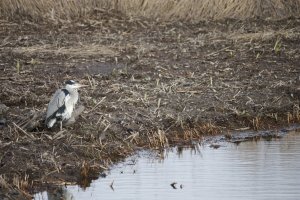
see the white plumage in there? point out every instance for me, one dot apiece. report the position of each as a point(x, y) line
point(62, 104)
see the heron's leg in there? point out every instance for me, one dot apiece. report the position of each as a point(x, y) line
point(60, 125)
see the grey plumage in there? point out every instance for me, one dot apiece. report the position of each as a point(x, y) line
point(62, 104)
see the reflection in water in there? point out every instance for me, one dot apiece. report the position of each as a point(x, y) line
point(252, 170)
point(57, 194)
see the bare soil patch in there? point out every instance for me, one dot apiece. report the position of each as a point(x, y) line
point(152, 84)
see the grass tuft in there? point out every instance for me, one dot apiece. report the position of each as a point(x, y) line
point(190, 10)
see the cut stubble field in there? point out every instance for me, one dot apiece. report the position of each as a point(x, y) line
point(151, 84)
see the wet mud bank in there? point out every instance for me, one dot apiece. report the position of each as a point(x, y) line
point(151, 85)
point(244, 136)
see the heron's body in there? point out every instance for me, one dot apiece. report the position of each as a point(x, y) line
point(62, 104)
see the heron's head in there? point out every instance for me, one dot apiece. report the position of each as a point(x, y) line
point(73, 84)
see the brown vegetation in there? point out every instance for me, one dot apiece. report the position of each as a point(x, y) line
point(152, 84)
point(186, 10)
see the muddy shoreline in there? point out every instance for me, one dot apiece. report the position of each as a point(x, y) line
point(152, 85)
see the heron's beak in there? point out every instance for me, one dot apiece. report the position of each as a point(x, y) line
point(78, 85)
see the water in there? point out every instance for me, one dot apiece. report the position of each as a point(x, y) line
point(250, 170)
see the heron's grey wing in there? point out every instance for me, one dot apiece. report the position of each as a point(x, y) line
point(56, 102)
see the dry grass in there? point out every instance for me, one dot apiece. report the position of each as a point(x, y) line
point(19, 186)
point(157, 86)
point(80, 50)
point(192, 10)
point(49, 9)
point(211, 9)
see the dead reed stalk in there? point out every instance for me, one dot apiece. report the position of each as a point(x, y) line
point(189, 10)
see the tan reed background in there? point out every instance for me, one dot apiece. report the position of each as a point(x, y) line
point(186, 10)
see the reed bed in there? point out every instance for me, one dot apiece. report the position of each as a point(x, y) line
point(152, 84)
point(186, 10)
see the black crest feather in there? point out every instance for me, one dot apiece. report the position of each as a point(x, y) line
point(70, 82)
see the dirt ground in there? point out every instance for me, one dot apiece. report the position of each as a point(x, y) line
point(151, 84)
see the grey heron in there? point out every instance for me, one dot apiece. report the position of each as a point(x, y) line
point(62, 104)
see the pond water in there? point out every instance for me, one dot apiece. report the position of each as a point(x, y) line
point(263, 169)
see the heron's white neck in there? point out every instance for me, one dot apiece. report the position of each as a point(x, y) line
point(71, 89)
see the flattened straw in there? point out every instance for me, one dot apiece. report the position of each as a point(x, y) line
point(23, 131)
point(97, 104)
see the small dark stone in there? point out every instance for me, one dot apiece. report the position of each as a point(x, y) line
point(129, 130)
point(103, 175)
point(173, 185)
point(3, 122)
point(215, 146)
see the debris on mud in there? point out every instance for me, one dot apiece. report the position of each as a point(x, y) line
point(152, 84)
